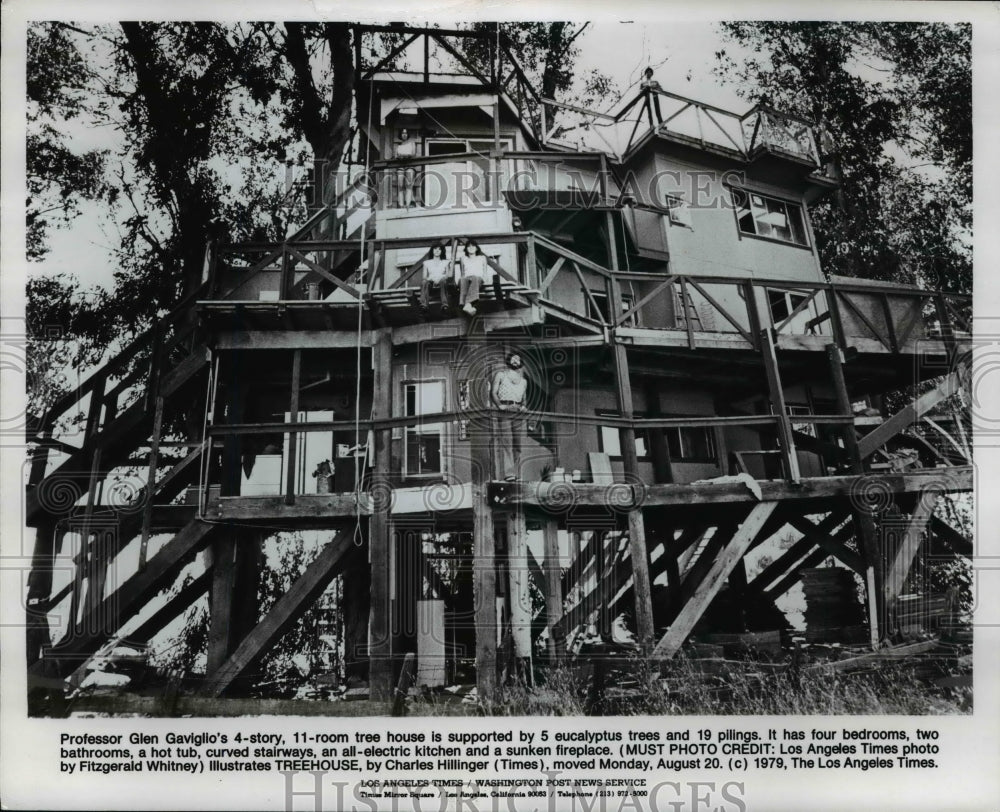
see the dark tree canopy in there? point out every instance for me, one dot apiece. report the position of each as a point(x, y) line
point(895, 102)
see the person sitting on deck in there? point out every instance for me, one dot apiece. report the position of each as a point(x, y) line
point(437, 273)
point(474, 270)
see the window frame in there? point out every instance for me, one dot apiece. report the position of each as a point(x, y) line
point(678, 431)
point(420, 428)
point(640, 437)
point(789, 204)
point(628, 302)
point(495, 194)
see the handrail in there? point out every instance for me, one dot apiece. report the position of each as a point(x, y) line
point(101, 374)
point(613, 421)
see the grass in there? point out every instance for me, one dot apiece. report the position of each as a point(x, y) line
point(744, 688)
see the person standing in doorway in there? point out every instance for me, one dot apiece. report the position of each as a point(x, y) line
point(405, 148)
point(474, 269)
point(508, 391)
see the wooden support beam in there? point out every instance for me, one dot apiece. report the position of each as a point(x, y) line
point(553, 591)
point(871, 557)
point(380, 531)
point(293, 417)
point(221, 640)
point(171, 609)
point(786, 583)
point(831, 545)
point(959, 543)
point(406, 676)
point(519, 575)
point(86, 637)
point(896, 577)
point(777, 397)
point(679, 630)
point(692, 579)
point(39, 590)
point(154, 453)
point(954, 479)
point(909, 414)
point(283, 614)
point(636, 523)
point(781, 564)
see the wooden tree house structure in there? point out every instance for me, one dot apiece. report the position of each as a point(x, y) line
point(695, 383)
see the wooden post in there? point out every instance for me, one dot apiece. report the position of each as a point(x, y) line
point(922, 512)
point(519, 589)
point(835, 319)
point(39, 590)
point(850, 436)
point(723, 564)
point(380, 531)
point(531, 277)
point(630, 459)
point(285, 281)
point(484, 586)
point(220, 637)
point(154, 453)
point(778, 406)
point(553, 591)
point(293, 417)
point(864, 525)
point(484, 572)
point(406, 676)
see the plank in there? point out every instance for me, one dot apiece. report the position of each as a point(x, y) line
point(909, 414)
point(692, 611)
point(95, 627)
point(171, 609)
point(283, 614)
point(588, 494)
point(896, 576)
point(832, 546)
point(553, 591)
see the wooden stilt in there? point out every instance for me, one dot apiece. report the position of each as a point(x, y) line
point(871, 555)
point(220, 602)
point(672, 641)
point(519, 589)
point(380, 532)
point(553, 592)
point(285, 612)
point(777, 395)
point(39, 590)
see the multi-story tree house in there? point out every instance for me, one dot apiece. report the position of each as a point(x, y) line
point(697, 386)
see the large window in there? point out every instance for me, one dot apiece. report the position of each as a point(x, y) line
point(609, 438)
point(684, 443)
point(423, 440)
point(462, 183)
point(690, 444)
point(763, 216)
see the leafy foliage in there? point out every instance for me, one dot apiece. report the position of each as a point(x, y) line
point(894, 101)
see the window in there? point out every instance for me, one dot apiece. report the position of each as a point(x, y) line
point(690, 444)
point(763, 216)
point(792, 409)
point(808, 321)
point(609, 439)
point(463, 183)
point(422, 446)
point(600, 298)
point(678, 211)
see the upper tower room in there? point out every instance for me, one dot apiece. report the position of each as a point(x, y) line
point(714, 192)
